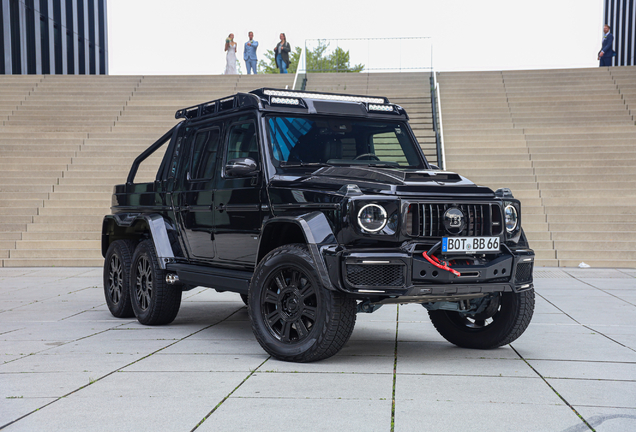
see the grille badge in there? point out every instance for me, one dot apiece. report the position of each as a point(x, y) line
point(454, 220)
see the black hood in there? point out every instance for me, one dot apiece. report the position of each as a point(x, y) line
point(373, 180)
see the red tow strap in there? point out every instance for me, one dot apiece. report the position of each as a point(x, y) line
point(440, 264)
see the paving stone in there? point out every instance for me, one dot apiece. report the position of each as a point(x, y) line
point(604, 419)
point(606, 370)
point(601, 393)
point(480, 415)
point(308, 415)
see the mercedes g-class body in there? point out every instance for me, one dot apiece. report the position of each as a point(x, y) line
point(314, 207)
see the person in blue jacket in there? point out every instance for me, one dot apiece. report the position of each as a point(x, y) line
point(606, 52)
point(249, 54)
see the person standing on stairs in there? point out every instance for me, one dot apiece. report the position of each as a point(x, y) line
point(606, 53)
point(282, 54)
point(249, 54)
point(230, 56)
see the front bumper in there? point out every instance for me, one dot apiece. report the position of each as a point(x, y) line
point(408, 277)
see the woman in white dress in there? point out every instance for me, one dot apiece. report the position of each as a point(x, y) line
point(230, 57)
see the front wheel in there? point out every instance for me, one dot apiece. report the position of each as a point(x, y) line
point(505, 318)
point(154, 302)
point(294, 317)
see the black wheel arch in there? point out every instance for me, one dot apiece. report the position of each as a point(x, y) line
point(312, 229)
point(138, 227)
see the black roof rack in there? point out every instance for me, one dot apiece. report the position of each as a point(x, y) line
point(216, 106)
point(267, 96)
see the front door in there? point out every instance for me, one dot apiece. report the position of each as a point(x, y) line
point(237, 200)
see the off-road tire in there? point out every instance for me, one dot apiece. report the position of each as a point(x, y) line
point(117, 278)
point(509, 321)
point(294, 317)
point(153, 300)
point(244, 298)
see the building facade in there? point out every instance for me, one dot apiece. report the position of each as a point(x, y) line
point(620, 15)
point(53, 37)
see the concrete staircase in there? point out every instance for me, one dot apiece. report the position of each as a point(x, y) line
point(564, 141)
point(66, 140)
point(411, 90)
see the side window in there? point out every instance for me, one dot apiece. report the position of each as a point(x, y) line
point(204, 151)
point(175, 158)
point(242, 142)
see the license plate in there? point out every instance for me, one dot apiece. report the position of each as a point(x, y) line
point(470, 245)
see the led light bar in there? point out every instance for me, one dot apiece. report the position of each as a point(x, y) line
point(324, 96)
point(286, 101)
point(380, 107)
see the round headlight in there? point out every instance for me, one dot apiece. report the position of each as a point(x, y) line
point(372, 217)
point(512, 219)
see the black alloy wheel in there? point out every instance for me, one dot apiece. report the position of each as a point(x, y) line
point(294, 317)
point(143, 283)
point(289, 303)
point(153, 300)
point(505, 319)
point(117, 278)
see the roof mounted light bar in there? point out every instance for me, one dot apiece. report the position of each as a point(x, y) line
point(375, 107)
point(284, 101)
point(325, 96)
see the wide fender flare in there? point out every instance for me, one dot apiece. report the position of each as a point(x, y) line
point(156, 225)
point(318, 234)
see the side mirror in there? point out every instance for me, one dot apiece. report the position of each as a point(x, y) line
point(241, 167)
point(435, 167)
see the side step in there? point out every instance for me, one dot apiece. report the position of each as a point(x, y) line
point(220, 279)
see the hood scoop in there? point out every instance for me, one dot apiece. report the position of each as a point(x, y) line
point(445, 176)
point(368, 174)
point(395, 177)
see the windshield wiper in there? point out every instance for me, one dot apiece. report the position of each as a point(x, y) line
point(384, 164)
point(304, 164)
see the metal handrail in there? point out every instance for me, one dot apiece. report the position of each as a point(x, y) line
point(299, 67)
point(441, 152)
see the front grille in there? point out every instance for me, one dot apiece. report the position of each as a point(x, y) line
point(481, 219)
point(524, 273)
point(376, 275)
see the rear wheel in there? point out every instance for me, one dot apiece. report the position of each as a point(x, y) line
point(117, 278)
point(504, 320)
point(153, 300)
point(294, 317)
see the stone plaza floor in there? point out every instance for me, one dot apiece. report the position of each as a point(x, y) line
point(67, 365)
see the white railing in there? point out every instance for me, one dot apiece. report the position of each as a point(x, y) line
point(300, 70)
point(440, 126)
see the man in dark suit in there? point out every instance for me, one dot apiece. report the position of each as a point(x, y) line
point(606, 52)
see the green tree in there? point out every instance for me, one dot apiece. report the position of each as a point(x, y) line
point(317, 61)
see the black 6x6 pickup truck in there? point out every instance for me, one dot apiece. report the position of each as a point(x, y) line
point(315, 207)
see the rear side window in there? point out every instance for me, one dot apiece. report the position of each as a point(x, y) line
point(204, 153)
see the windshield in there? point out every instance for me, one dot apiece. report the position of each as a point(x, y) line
point(304, 141)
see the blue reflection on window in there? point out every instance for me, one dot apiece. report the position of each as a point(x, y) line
point(284, 134)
